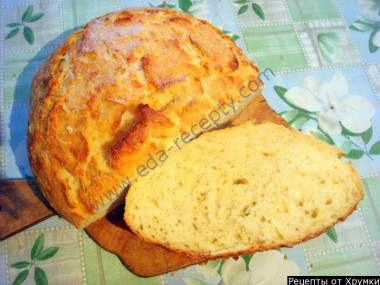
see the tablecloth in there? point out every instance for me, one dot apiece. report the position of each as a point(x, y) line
point(325, 60)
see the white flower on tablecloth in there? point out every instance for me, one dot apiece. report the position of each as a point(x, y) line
point(334, 108)
point(268, 267)
point(371, 7)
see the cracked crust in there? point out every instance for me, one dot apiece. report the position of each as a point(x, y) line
point(122, 87)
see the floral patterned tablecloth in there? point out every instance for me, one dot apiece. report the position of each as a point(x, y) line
point(326, 59)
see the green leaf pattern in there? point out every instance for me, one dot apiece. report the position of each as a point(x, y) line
point(27, 17)
point(367, 135)
point(37, 247)
point(48, 253)
point(28, 12)
point(13, 25)
point(21, 264)
point(243, 9)
point(331, 233)
point(330, 44)
point(355, 154)
point(375, 149)
point(28, 35)
point(364, 25)
point(372, 47)
point(37, 254)
point(185, 5)
point(21, 277)
point(322, 137)
point(165, 5)
point(35, 17)
point(259, 12)
point(40, 276)
point(256, 8)
point(12, 33)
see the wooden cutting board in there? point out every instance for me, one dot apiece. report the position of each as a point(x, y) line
point(22, 205)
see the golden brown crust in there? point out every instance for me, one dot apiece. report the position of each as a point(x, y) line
point(124, 86)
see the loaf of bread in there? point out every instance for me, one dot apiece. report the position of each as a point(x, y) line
point(117, 91)
point(243, 189)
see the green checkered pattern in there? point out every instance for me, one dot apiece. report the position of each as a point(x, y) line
point(19, 70)
point(106, 268)
point(78, 13)
point(304, 10)
point(274, 46)
point(370, 206)
point(356, 260)
point(291, 43)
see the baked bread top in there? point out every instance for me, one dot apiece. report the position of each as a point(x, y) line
point(243, 189)
point(121, 88)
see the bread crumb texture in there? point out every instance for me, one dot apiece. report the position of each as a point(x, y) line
point(243, 189)
point(123, 86)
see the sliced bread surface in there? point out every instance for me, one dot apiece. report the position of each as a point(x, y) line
point(243, 189)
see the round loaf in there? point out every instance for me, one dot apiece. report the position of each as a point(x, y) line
point(120, 89)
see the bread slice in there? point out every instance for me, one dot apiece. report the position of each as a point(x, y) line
point(243, 189)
